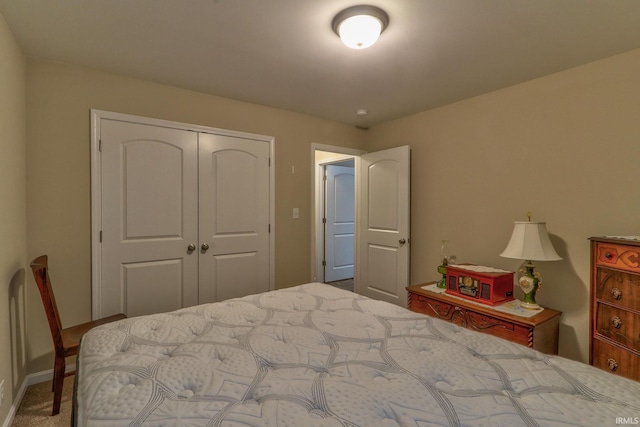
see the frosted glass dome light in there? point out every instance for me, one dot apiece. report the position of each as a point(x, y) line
point(359, 32)
point(360, 26)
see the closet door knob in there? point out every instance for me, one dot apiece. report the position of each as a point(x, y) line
point(204, 247)
point(191, 248)
point(613, 365)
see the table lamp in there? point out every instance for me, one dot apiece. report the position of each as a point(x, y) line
point(530, 242)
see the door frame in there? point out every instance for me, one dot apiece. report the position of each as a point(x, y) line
point(96, 189)
point(317, 204)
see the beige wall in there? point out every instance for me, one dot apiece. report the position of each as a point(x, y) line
point(13, 216)
point(566, 147)
point(59, 99)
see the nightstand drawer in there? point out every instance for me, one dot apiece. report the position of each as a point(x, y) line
point(539, 332)
point(481, 321)
point(422, 304)
point(619, 325)
point(615, 359)
point(464, 317)
point(618, 256)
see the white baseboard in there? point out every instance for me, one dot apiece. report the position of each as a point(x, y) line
point(31, 379)
point(15, 405)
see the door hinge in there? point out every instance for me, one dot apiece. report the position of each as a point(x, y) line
point(100, 145)
point(269, 161)
point(269, 228)
point(324, 263)
point(324, 220)
point(100, 236)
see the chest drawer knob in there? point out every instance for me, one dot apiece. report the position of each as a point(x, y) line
point(613, 365)
point(616, 293)
point(616, 322)
point(608, 255)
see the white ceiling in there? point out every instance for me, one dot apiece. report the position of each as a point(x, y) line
point(283, 53)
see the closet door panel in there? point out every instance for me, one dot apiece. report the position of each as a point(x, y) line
point(234, 216)
point(236, 274)
point(149, 218)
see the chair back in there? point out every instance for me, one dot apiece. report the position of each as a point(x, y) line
point(40, 269)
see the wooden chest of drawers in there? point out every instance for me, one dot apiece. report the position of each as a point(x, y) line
point(539, 332)
point(615, 306)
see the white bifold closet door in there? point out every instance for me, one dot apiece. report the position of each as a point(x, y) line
point(185, 217)
point(233, 217)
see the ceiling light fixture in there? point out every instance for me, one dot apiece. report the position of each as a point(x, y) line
point(360, 26)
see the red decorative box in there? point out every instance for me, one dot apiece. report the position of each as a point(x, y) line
point(482, 284)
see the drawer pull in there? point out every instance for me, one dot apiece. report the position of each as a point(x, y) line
point(613, 365)
point(616, 293)
point(616, 322)
point(608, 255)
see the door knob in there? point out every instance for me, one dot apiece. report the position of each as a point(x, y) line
point(191, 248)
point(402, 241)
point(204, 247)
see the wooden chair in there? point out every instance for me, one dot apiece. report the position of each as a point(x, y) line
point(67, 340)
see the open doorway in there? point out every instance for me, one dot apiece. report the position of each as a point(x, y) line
point(333, 251)
point(382, 219)
point(338, 198)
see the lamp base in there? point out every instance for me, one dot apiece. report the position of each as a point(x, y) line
point(530, 282)
point(529, 306)
point(442, 283)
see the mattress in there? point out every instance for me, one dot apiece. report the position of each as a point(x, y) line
point(314, 355)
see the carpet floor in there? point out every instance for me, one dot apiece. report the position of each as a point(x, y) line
point(37, 402)
point(346, 284)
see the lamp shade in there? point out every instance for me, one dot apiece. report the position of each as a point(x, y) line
point(530, 241)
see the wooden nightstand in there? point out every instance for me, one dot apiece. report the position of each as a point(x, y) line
point(539, 332)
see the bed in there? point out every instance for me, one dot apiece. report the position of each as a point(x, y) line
point(314, 355)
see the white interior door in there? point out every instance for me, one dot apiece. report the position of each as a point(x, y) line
point(149, 217)
point(340, 220)
point(383, 228)
point(234, 217)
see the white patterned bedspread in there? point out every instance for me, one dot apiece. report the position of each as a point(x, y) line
point(315, 355)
